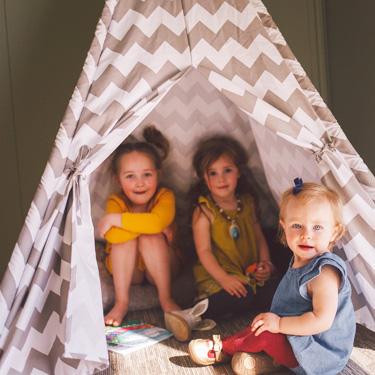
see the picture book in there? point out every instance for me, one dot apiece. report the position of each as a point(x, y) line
point(133, 336)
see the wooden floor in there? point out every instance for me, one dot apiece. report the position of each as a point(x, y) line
point(171, 357)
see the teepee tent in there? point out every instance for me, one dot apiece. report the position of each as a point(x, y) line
point(193, 68)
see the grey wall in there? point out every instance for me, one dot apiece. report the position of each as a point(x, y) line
point(43, 45)
point(348, 32)
point(351, 55)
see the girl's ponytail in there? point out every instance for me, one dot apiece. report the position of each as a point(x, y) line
point(156, 138)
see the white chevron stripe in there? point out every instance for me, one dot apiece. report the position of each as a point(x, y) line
point(38, 298)
point(185, 109)
point(49, 181)
point(315, 99)
point(222, 83)
point(356, 205)
point(344, 174)
point(355, 287)
point(62, 142)
point(193, 78)
point(112, 93)
point(363, 316)
point(40, 341)
point(275, 36)
point(101, 31)
point(355, 162)
point(231, 49)
point(267, 82)
point(33, 221)
point(366, 289)
point(224, 14)
point(335, 130)
point(76, 103)
point(4, 304)
point(89, 67)
point(15, 264)
point(359, 242)
point(295, 67)
point(111, 4)
point(148, 25)
point(136, 54)
point(315, 127)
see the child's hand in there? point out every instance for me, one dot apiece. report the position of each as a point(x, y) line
point(234, 286)
point(263, 271)
point(107, 222)
point(168, 233)
point(266, 322)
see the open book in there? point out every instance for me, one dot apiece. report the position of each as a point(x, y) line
point(133, 336)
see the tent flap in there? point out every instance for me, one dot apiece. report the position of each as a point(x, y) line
point(192, 67)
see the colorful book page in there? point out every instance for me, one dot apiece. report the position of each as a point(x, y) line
point(133, 336)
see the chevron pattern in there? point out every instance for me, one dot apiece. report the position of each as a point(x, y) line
point(192, 68)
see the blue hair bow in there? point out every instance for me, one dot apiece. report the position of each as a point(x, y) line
point(298, 185)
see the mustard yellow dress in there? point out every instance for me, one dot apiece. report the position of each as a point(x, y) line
point(234, 256)
point(160, 214)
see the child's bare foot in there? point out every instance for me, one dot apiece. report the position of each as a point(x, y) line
point(116, 315)
point(168, 304)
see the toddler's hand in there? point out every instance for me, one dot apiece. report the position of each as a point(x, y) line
point(265, 322)
point(263, 271)
point(234, 286)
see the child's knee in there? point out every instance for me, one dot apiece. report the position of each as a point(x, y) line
point(151, 241)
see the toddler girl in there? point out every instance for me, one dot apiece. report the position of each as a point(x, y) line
point(227, 236)
point(139, 226)
point(310, 327)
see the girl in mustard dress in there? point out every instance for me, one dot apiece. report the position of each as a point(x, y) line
point(139, 225)
point(227, 236)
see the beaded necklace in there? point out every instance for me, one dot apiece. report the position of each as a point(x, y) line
point(234, 229)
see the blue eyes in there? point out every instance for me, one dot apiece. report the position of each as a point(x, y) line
point(315, 227)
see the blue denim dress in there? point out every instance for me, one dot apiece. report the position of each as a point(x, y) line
point(327, 352)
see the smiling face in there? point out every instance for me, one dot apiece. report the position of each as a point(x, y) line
point(309, 229)
point(221, 178)
point(138, 178)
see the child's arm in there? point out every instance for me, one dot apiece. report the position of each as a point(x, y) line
point(160, 217)
point(323, 290)
point(202, 240)
point(109, 226)
point(131, 225)
point(107, 222)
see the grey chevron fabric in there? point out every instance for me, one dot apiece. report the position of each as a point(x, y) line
point(193, 68)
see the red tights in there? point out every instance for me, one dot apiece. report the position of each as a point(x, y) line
point(274, 344)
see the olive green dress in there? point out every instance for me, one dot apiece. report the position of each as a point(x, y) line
point(234, 256)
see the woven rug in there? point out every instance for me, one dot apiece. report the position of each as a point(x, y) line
point(171, 357)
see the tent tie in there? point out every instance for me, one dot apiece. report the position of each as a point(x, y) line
point(326, 147)
point(75, 172)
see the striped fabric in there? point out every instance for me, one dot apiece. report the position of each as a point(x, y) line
point(193, 68)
